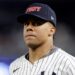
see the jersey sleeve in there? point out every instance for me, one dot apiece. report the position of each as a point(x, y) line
point(71, 68)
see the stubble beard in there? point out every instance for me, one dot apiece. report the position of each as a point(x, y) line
point(34, 46)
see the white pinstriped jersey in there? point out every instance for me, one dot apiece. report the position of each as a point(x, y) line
point(57, 63)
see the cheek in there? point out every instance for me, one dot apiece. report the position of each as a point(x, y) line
point(43, 34)
point(44, 31)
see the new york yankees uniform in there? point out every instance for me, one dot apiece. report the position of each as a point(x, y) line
point(57, 62)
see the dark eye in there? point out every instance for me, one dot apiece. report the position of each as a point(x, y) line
point(34, 23)
point(26, 22)
point(40, 22)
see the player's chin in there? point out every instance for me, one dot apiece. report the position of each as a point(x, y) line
point(32, 45)
point(29, 42)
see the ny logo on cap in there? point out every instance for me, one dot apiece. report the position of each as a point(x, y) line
point(52, 18)
point(33, 9)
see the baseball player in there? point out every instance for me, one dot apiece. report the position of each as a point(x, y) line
point(43, 57)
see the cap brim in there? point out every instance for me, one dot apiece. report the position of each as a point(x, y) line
point(22, 18)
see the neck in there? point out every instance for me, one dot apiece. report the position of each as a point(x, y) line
point(41, 51)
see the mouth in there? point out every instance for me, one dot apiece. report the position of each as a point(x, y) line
point(30, 36)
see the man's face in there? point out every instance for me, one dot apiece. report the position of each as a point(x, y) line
point(36, 34)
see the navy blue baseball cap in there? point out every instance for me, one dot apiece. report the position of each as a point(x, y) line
point(39, 10)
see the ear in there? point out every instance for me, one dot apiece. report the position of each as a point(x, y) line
point(52, 31)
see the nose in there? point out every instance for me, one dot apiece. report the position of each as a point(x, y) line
point(29, 27)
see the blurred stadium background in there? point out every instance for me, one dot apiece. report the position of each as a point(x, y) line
point(11, 39)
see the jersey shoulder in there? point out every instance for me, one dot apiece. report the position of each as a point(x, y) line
point(65, 63)
point(17, 63)
point(66, 55)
